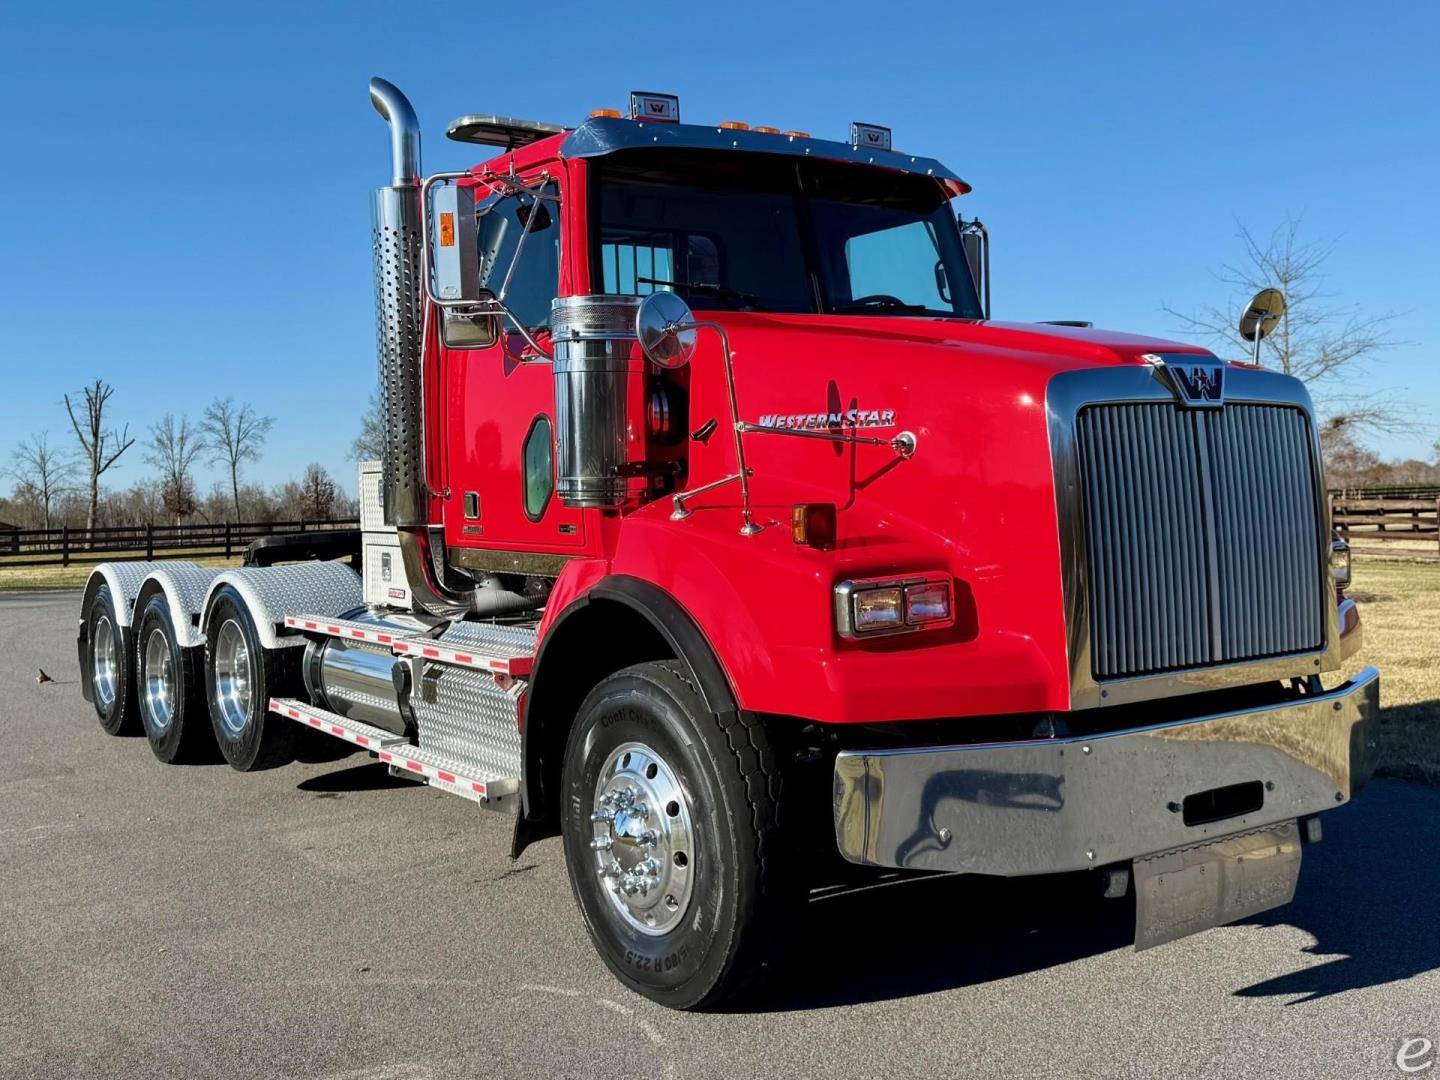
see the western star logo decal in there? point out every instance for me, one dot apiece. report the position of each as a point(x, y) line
point(1200, 382)
point(850, 418)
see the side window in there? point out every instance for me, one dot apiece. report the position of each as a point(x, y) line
point(903, 262)
point(535, 280)
point(539, 467)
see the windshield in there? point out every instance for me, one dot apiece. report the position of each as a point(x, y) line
point(748, 232)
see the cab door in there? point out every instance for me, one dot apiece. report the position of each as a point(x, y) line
point(500, 399)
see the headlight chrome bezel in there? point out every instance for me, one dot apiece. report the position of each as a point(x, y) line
point(848, 592)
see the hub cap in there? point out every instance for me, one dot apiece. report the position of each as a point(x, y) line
point(232, 677)
point(643, 839)
point(158, 675)
point(103, 673)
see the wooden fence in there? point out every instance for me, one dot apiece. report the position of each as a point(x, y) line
point(61, 547)
point(1387, 521)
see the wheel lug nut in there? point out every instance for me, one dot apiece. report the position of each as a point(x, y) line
point(649, 838)
point(610, 870)
point(602, 815)
point(602, 843)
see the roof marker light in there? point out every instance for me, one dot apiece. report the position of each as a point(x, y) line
point(869, 136)
point(604, 114)
point(661, 108)
point(798, 134)
point(765, 130)
point(734, 125)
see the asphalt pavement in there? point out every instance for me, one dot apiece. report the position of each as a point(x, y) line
point(325, 921)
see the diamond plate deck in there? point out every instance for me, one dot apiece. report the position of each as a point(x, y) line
point(342, 628)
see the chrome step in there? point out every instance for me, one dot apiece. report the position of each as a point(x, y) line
point(365, 736)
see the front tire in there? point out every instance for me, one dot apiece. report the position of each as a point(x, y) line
point(669, 826)
point(168, 688)
point(109, 666)
point(241, 676)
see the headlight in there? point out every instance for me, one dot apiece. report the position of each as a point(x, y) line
point(1340, 563)
point(874, 607)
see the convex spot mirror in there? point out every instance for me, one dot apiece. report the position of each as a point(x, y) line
point(666, 329)
point(1261, 314)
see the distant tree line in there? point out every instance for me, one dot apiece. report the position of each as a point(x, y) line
point(58, 482)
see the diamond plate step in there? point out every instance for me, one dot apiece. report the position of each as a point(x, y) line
point(505, 650)
point(341, 628)
point(352, 731)
point(502, 650)
point(455, 775)
point(444, 771)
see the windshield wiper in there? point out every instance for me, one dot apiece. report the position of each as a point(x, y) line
point(724, 292)
point(882, 303)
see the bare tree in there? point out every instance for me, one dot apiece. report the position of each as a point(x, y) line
point(1325, 343)
point(41, 473)
point(101, 446)
point(172, 448)
point(234, 433)
point(318, 493)
point(369, 445)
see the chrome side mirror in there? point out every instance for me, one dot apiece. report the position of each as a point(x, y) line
point(1260, 316)
point(666, 329)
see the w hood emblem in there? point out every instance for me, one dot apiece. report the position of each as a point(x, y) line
point(1197, 382)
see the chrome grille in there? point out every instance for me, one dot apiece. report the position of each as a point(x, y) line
point(1202, 536)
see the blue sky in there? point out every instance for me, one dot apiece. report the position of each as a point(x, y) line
point(185, 187)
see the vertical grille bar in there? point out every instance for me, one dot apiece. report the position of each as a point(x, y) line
point(1201, 535)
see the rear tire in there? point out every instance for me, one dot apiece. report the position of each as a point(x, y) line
point(241, 676)
point(168, 687)
point(686, 803)
point(109, 658)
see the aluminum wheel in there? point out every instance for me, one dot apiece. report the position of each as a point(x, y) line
point(103, 671)
point(158, 681)
point(233, 677)
point(643, 840)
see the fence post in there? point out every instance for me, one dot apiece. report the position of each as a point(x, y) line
point(65, 545)
point(149, 540)
point(1437, 526)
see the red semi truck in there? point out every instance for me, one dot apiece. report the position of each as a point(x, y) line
point(721, 532)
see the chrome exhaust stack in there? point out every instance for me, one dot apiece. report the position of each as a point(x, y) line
point(400, 344)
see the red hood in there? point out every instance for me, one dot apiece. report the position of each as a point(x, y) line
point(976, 500)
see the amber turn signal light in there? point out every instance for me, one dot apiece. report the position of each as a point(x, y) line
point(813, 524)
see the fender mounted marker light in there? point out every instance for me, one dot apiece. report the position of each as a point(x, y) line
point(813, 524)
point(659, 108)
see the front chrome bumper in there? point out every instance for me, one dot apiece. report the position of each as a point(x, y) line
point(1065, 804)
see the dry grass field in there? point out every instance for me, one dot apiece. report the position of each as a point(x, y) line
point(1400, 611)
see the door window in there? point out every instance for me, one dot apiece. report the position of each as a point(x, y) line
point(535, 279)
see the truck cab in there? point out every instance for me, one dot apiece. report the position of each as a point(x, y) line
point(721, 531)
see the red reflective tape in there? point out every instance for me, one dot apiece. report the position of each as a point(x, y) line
point(385, 755)
point(362, 740)
point(400, 646)
point(479, 789)
point(313, 721)
point(449, 778)
point(358, 634)
point(464, 658)
point(499, 665)
point(332, 629)
point(337, 731)
point(432, 652)
point(384, 639)
point(415, 766)
point(309, 625)
point(294, 714)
